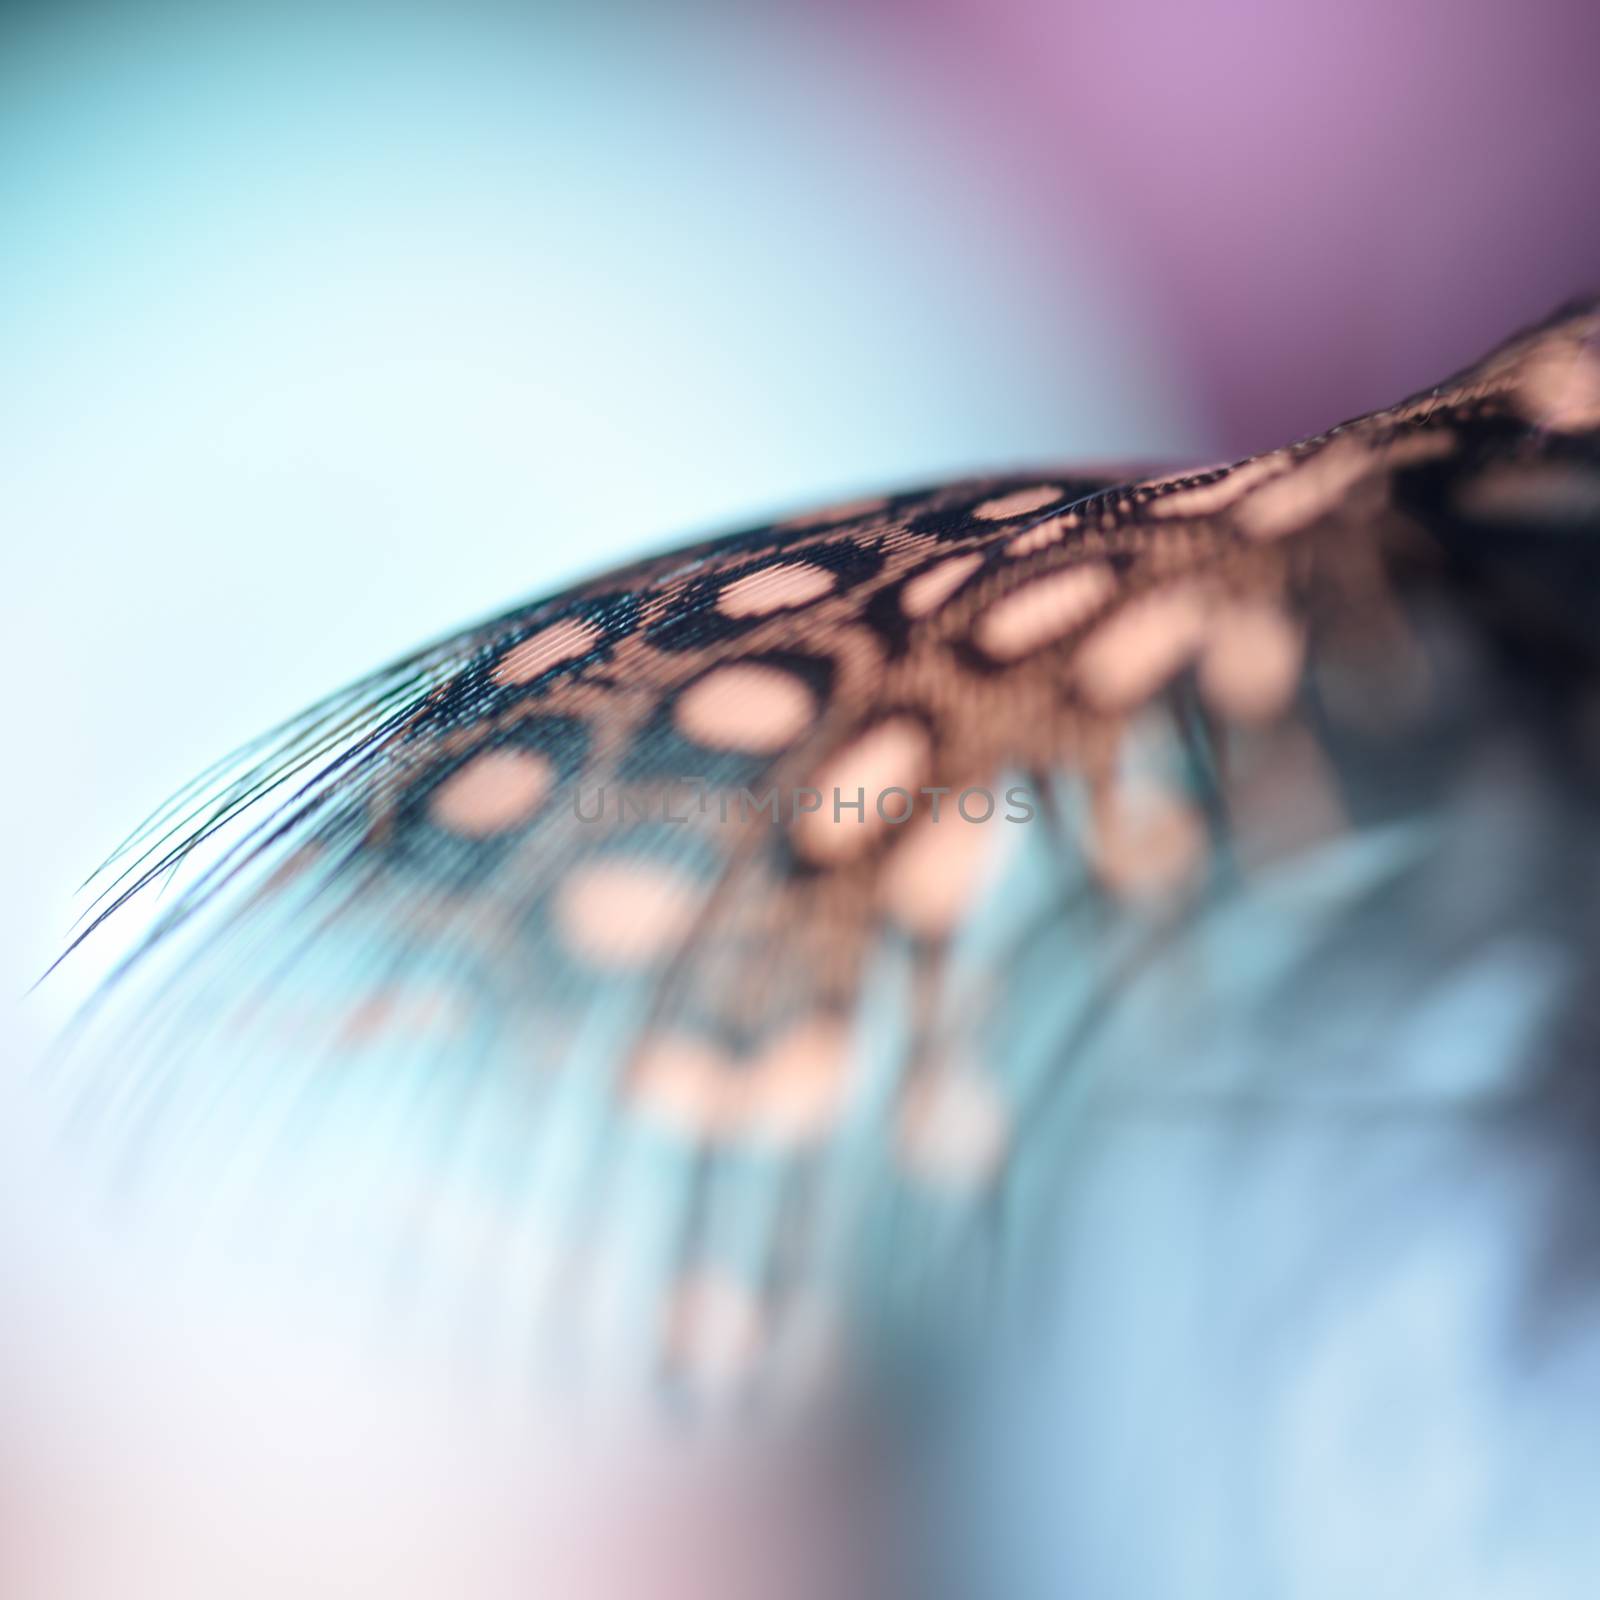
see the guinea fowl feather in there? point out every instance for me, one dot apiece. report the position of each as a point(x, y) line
point(531, 955)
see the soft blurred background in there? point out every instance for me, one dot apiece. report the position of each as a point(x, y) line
point(326, 327)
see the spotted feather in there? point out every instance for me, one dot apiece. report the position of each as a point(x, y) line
point(697, 962)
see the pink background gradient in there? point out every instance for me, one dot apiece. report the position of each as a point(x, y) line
point(1316, 207)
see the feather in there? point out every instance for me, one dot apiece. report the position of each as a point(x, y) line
point(707, 966)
